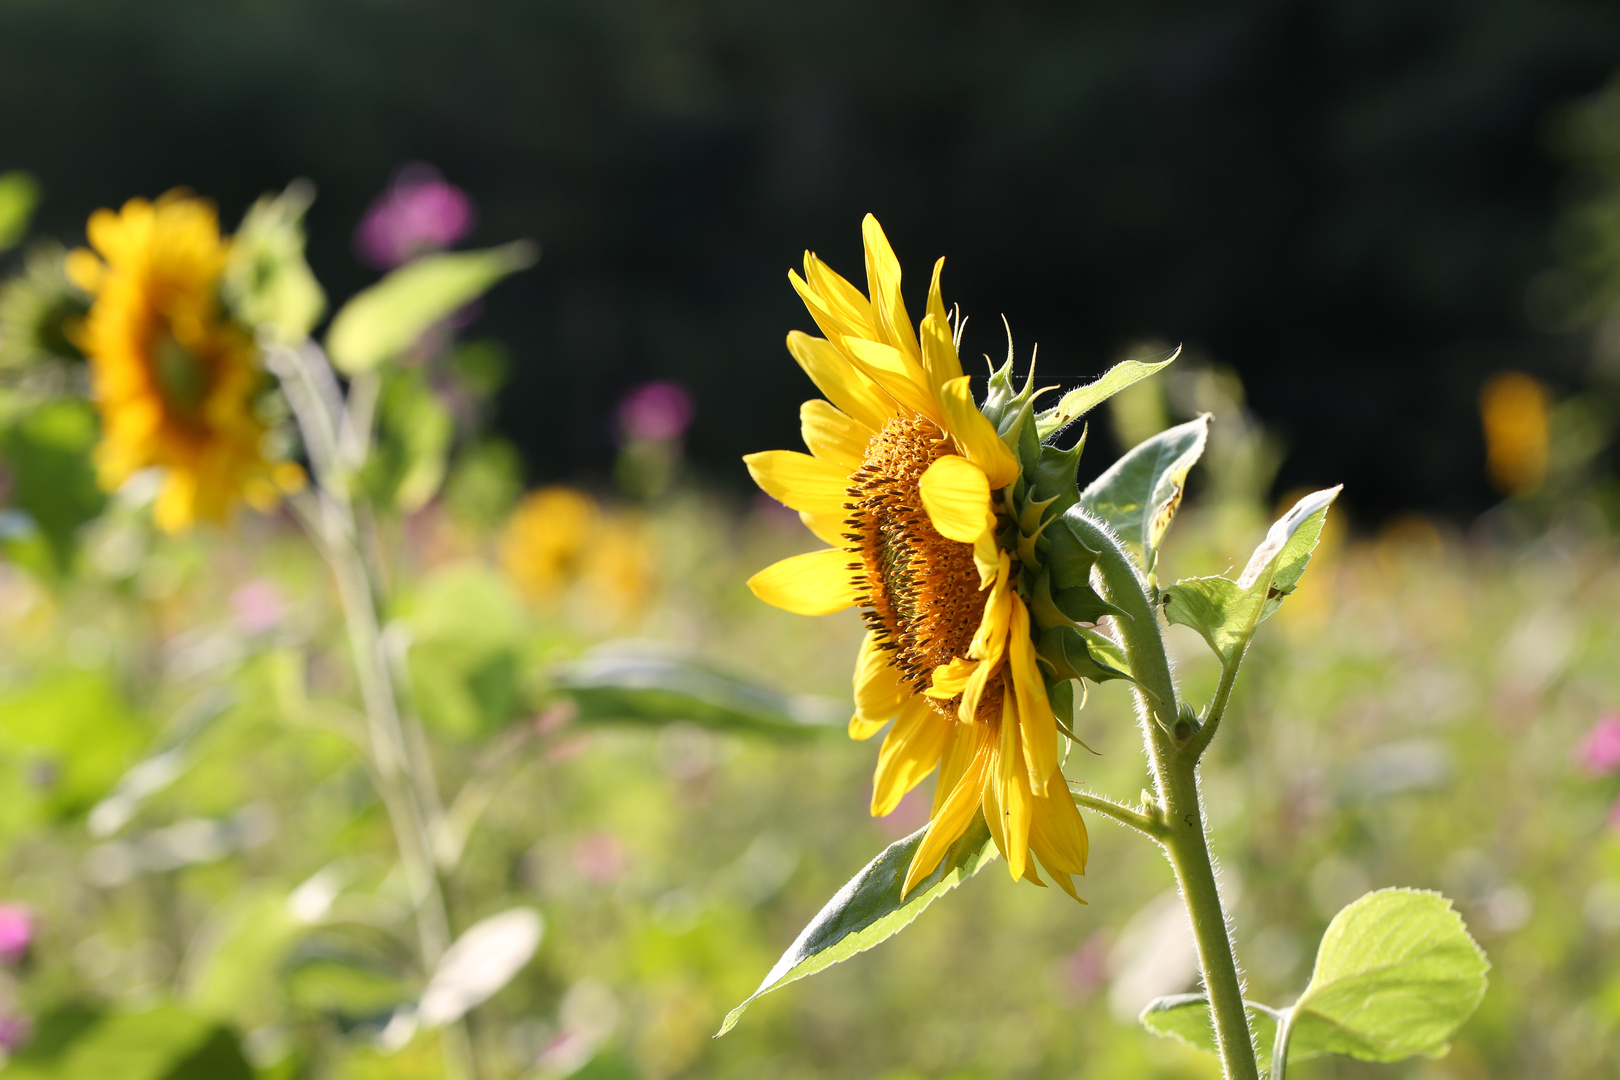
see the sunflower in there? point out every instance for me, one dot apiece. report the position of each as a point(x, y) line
point(174, 379)
point(936, 535)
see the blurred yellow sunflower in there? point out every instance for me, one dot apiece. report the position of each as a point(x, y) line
point(174, 379)
point(544, 539)
point(908, 480)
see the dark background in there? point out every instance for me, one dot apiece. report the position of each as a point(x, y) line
point(1344, 200)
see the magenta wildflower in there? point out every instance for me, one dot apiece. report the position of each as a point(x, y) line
point(420, 212)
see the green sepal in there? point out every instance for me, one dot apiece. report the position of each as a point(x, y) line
point(1067, 556)
point(1107, 651)
point(1065, 708)
point(1053, 479)
point(1001, 398)
point(1064, 649)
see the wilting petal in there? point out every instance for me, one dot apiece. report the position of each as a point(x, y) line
point(879, 693)
point(883, 284)
point(816, 583)
point(957, 497)
point(963, 744)
point(1010, 783)
point(1037, 725)
point(843, 384)
point(911, 751)
point(800, 481)
point(1057, 834)
point(832, 435)
point(975, 434)
point(952, 817)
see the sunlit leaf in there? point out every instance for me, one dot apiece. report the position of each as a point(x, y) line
point(76, 1042)
point(1139, 494)
point(481, 961)
point(75, 734)
point(1226, 612)
point(412, 452)
point(1076, 403)
point(869, 909)
point(53, 480)
point(1396, 975)
point(659, 690)
point(388, 318)
point(467, 635)
point(1186, 1018)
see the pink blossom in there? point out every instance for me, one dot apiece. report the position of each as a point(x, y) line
point(655, 412)
point(258, 607)
point(16, 932)
point(420, 212)
point(600, 859)
point(1599, 752)
point(15, 1030)
point(1087, 966)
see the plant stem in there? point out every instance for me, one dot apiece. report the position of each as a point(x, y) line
point(1279, 1051)
point(1173, 759)
point(398, 748)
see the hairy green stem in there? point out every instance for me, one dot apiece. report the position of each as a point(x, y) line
point(1279, 1049)
point(1173, 750)
point(1134, 819)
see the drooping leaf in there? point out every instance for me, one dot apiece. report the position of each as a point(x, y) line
point(1186, 1018)
point(388, 318)
point(1076, 403)
point(267, 282)
point(660, 690)
point(869, 909)
point(482, 960)
point(1139, 494)
point(166, 1043)
point(1396, 975)
point(1226, 612)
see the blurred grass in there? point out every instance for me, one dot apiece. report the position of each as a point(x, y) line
point(1409, 718)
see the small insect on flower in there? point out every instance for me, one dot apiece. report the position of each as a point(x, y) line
point(933, 533)
point(175, 379)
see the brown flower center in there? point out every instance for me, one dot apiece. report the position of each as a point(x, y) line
point(919, 591)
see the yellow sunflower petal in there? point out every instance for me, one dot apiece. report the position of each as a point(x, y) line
point(1037, 726)
point(976, 435)
point(911, 751)
point(957, 497)
point(800, 481)
point(883, 284)
point(1010, 781)
point(843, 302)
point(989, 643)
point(856, 395)
point(832, 435)
point(1057, 834)
point(85, 270)
point(879, 693)
point(952, 817)
point(936, 299)
point(816, 583)
point(939, 352)
point(952, 678)
point(902, 377)
point(963, 744)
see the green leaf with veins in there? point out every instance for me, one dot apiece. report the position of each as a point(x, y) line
point(1185, 1018)
point(869, 908)
point(1137, 497)
point(1396, 975)
point(387, 319)
point(1226, 612)
point(1076, 403)
point(611, 688)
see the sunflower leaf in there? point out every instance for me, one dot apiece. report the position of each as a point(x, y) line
point(1139, 494)
point(869, 908)
point(1396, 975)
point(388, 318)
point(1226, 612)
point(659, 690)
point(267, 281)
point(1076, 403)
point(1185, 1018)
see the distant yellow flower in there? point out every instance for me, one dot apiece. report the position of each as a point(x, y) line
point(905, 478)
point(541, 546)
point(175, 381)
point(1513, 408)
